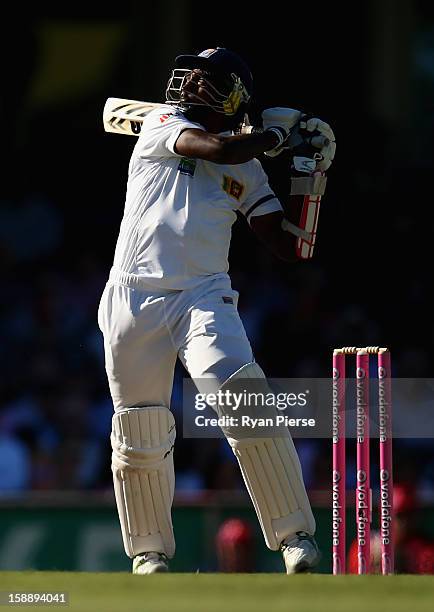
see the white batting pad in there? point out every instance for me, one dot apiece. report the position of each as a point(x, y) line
point(144, 480)
point(272, 473)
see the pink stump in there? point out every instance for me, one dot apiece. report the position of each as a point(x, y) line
point(363, 489)
point(339, 465)
point(386, 462)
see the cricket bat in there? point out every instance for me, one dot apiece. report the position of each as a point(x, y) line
point(121, 116)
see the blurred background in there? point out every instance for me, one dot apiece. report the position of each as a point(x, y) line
point(367, 69)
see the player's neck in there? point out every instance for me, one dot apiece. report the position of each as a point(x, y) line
point(213, 122)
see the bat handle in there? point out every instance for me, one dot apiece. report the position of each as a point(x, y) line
point(250, 129)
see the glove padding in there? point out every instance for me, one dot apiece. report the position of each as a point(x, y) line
point(279, 120)
point(317, 127)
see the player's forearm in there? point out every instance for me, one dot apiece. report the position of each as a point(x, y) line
point(224, 149)
point(269, 230)
point(283, 247)
point(244, 147)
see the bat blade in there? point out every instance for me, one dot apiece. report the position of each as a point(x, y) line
point(121, 116)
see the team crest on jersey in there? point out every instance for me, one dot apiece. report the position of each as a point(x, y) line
point(232, 187)
point(187, 166)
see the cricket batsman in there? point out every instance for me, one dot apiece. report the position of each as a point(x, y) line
point(169, 296)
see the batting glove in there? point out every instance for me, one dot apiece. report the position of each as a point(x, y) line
point(279, 120)
point(326, 154)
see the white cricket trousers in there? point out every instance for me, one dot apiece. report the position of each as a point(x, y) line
point(146, 329)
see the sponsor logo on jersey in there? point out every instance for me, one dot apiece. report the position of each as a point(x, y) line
point(165, 117)
point(232, 187)
point(187, 166)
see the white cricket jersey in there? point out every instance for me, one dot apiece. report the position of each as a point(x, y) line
point(178, 215)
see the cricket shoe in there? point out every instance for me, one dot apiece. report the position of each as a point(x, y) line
point(300, 553)
point(150, 563)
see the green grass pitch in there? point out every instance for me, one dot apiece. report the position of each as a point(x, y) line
point(118, 592)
